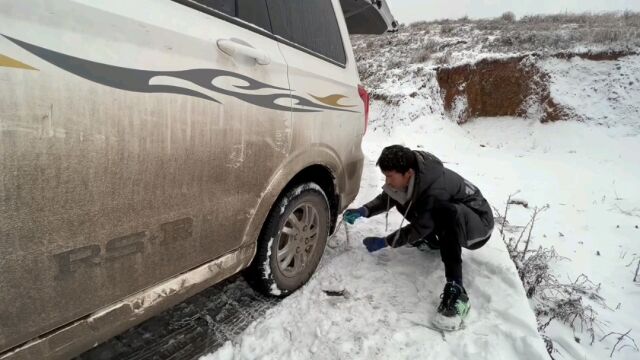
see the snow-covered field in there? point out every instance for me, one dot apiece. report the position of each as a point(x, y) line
point(390, 296)
point(587, 171)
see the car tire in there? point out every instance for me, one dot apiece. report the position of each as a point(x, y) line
point(292, 241)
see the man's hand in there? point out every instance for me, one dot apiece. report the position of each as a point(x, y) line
point(351, 215)
point(375, 243)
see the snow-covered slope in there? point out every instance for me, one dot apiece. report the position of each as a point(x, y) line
point(599, 92)
point(587, 170)
point(391, 296)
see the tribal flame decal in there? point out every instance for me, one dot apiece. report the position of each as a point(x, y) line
point(142, 81)
point(332, 100)
point(6, 61)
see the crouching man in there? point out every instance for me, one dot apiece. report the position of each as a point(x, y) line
point(445, 211)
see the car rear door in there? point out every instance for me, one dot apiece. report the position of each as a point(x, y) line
point(327, 111)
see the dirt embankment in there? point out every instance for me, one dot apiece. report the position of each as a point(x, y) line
point(497, 87)
point(505, 87)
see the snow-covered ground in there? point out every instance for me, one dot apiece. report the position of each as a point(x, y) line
point(587, 171)
point(600, 92)
point(391, 296)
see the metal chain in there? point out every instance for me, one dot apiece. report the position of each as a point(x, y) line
point(346, 232)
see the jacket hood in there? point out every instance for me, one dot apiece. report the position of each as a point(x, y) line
point(430, 169)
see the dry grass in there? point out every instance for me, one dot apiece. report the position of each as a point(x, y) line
point(508, 16)
point(447, 42)
point(554, 300)
point(547, 32)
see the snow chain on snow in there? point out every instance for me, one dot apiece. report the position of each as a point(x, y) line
point(395, 238)
point(386, 217)
point(346, 232)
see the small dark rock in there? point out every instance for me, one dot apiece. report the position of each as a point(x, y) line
point(577, 339)
point(334, 292)
point(598, 253)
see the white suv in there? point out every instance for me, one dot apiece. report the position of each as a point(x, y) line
point(151, 148)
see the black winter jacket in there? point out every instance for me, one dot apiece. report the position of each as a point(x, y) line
point(433, 184)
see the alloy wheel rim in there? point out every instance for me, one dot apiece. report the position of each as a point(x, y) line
point(298, 239)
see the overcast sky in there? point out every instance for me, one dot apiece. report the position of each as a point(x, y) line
point(407, 11)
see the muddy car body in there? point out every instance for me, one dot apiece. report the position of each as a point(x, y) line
point(150, 149)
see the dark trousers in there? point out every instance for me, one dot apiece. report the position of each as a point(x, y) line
point(457, 226)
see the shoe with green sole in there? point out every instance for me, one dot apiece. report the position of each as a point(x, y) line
point(453, 308)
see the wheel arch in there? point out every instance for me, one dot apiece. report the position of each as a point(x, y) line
point(321, 176)
point(319, 165)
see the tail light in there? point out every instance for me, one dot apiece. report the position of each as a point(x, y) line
point(364, 95)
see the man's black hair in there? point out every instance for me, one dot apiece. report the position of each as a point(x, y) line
point(397, 158)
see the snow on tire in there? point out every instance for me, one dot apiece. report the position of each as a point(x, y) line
point(292, 241)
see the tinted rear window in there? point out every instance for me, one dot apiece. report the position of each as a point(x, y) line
point(308, 23)
point(251, 11)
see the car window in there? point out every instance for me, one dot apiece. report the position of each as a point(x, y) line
point(224, 6)
point(308, 23)
point(251, 11)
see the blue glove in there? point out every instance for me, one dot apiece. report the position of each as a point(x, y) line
point(351, 215)
point(375, 243)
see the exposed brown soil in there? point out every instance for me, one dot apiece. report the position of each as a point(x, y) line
point(597, 56)
point(497, 87)
point(506, 87)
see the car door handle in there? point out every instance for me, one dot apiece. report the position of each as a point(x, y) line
point(232, 47)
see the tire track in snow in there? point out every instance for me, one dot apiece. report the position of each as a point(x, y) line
point(199, 325)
